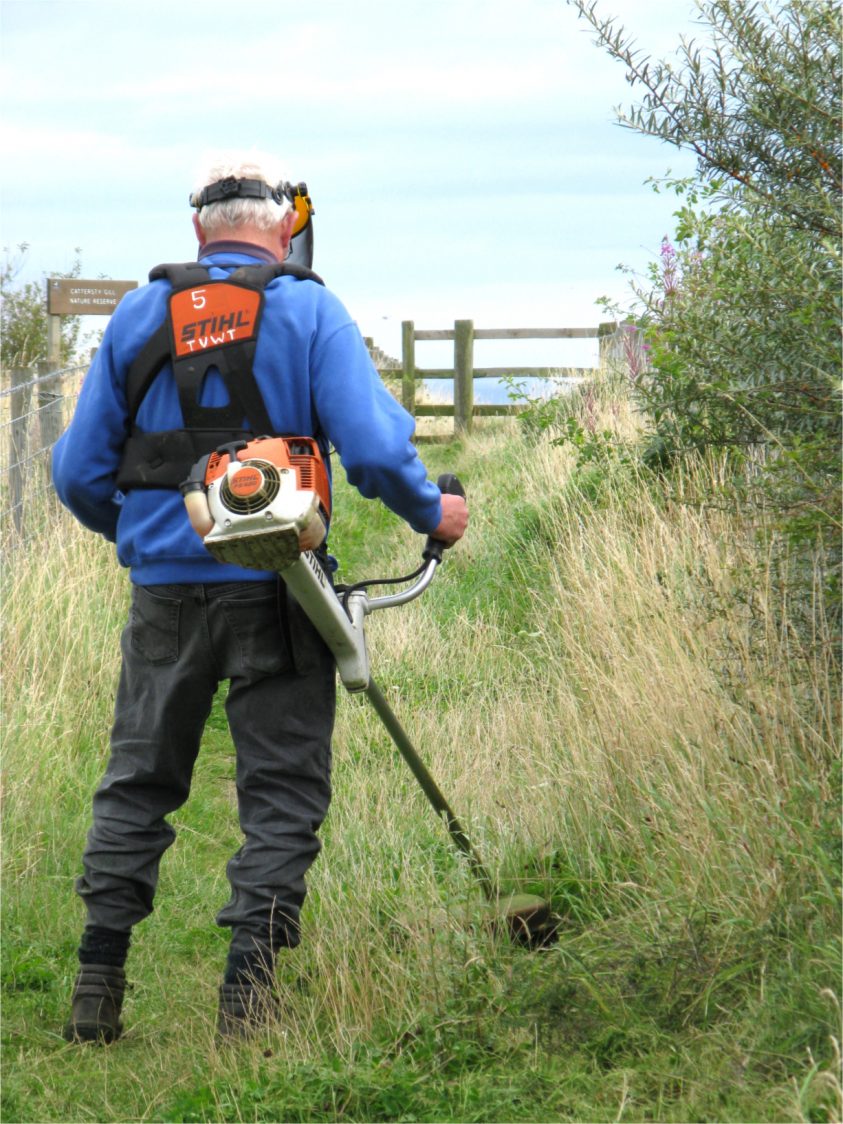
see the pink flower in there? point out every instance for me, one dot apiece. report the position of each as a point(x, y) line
point(670, 281)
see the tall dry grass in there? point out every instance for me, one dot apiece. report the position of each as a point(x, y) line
point(638, 696)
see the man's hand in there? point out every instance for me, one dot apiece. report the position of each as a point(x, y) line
point(454, 519)
point(313, 535)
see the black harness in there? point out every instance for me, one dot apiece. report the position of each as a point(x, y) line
point(208, 324)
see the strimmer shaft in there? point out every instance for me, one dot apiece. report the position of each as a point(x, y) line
point(429, 786)
point(345, 638)
point(307, 582)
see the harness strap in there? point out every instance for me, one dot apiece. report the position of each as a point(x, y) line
point(164, 459)
point(181, 274)
point(146, 365)
point(261, 275)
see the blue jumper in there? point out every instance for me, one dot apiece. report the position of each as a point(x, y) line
point(315, 375)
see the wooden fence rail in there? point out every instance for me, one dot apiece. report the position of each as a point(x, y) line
point(464, 371)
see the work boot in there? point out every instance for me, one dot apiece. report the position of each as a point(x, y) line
point(245, 1008)
point(96, 1003)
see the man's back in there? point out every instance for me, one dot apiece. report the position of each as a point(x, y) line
point(316, 379)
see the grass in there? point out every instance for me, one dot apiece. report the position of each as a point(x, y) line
point(623, 730)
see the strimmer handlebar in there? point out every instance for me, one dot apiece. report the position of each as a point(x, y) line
point(449, 485)
point(342, 628)
point(432, 554)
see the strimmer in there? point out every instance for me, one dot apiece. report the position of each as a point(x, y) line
point(265, 505)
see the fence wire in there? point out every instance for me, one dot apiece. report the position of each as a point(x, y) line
point(34, 411)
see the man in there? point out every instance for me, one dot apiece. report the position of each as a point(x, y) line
point(195, 621)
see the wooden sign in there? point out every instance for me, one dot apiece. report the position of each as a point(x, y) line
point(73, 297)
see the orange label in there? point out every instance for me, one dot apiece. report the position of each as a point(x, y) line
point(213, 315)
point(245, 481)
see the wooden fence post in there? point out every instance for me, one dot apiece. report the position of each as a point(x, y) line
point(408, 366)
point(606, 341)
point(53, 336)
point(49, 411)
point(463, 375)
point(18, 434)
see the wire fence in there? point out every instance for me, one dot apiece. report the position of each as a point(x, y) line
point(35, 407)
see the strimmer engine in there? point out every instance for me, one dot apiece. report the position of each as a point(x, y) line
point(260, 503)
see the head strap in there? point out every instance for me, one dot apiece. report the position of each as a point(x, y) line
point(233, 188)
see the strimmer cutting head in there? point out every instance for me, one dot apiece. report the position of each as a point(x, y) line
point(260, 503)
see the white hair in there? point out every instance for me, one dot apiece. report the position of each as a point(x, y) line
point(264, 214)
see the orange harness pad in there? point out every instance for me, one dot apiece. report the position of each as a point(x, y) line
point(212, 316)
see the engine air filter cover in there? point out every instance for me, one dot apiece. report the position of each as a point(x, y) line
point(251, 487)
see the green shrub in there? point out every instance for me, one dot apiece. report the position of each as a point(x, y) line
point(742, 313)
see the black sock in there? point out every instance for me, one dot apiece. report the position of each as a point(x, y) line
point(104, 946)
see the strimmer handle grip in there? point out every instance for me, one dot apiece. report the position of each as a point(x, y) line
point(449, 485)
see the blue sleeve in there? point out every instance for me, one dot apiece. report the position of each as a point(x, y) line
point(87, 456)
point(370, 430)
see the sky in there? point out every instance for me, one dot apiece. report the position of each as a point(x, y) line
point(463, 157)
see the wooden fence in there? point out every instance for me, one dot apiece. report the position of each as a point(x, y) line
point(464, 371)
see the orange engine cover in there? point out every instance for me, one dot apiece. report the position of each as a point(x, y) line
point(301, 454)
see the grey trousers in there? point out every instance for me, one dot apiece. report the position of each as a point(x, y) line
point(179, 643)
